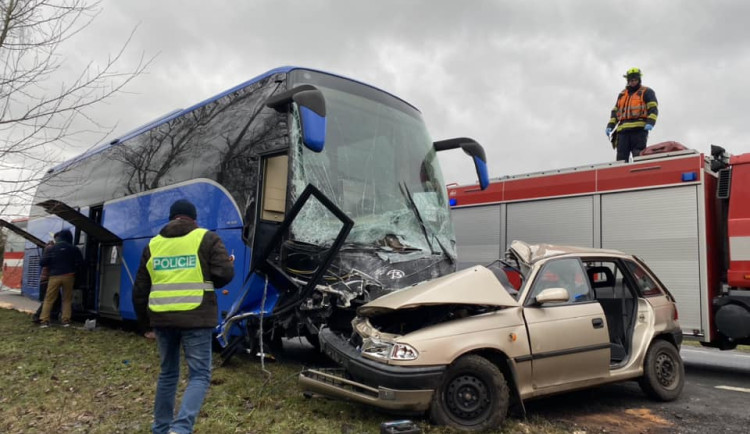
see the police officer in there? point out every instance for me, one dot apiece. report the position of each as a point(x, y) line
point(174, 292)
point(634, 114)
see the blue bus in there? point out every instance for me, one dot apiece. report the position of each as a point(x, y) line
point(327, 190)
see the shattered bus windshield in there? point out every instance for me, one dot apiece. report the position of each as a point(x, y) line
point(379, 167)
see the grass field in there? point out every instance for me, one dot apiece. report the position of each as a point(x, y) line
point(70, 380)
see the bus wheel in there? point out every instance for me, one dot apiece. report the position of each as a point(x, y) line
point(663, 372)
point(473, 396)
point(237, 344)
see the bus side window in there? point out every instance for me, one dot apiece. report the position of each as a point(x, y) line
point(274, 188)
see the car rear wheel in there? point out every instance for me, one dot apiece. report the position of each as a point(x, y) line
point(663, 372)
point(473, 395)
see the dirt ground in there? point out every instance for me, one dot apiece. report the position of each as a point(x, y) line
point(627, 421)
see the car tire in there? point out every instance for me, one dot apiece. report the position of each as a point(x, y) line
point(472, 396)
point(663, 372)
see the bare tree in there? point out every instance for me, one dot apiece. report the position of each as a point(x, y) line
point(39, 113)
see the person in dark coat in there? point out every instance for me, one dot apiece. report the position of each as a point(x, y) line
point(63, 260)
point(174, 293)
point(43, 283)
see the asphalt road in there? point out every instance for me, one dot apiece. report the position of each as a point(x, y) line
point(716, 398)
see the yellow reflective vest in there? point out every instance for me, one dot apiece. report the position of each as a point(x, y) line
point(176, 276)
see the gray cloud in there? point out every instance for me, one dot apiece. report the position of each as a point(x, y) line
point(532, 80)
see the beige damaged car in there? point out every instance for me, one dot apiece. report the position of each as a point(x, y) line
point(545, 320)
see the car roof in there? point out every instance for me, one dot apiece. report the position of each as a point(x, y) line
point(531, 253)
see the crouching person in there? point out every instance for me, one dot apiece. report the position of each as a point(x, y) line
point(174, 292)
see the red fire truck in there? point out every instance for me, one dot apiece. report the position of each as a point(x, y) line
point(13, 258)
point(686, 214)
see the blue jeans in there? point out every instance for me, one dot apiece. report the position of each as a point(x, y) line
point(197, 346)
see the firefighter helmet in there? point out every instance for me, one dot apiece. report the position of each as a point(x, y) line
point(633, 72)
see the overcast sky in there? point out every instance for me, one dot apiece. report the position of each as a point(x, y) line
point(533, 81)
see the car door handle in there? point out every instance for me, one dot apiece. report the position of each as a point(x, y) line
point(597, 323)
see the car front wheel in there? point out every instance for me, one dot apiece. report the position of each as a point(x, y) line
point(663, 372)
point(473, 396)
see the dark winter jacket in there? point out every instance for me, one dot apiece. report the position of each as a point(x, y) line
point(62, 258)
point(216, 267)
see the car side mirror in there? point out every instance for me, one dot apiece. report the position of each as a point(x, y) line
point(472, 149)
point(552, 295)
point(312, 109)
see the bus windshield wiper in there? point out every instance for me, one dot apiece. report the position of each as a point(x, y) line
point(407, 194)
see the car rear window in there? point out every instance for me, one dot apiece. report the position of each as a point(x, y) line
point(646, 285)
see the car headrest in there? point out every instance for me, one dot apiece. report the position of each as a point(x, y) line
point(601, 277)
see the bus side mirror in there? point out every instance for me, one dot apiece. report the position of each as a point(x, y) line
point(472, 149)
point(312, 108)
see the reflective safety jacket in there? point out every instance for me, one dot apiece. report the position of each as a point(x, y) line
point(214, 263)
point(176, 276)
point(634, 109)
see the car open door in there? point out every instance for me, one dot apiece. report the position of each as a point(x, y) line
point(569, 340)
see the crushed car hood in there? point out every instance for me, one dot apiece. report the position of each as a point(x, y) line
point(475, 286)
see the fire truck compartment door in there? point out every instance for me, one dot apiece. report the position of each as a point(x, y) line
point(663, 227)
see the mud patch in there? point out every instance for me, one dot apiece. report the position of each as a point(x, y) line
point(632, 420)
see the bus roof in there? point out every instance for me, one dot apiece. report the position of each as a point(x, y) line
point(180, 112)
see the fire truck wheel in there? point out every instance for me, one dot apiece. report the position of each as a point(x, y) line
point(663, 372)
point(473, 396)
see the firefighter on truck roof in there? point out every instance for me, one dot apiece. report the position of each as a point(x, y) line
point(633, 116)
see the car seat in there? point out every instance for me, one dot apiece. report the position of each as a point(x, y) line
point(603, 282)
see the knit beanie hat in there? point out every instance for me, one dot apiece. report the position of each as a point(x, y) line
point(182, 207)
point(64, 235)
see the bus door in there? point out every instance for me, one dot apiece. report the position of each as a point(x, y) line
point(272, 209)
point(109, 280)
point(88, 277)
point(103, 251)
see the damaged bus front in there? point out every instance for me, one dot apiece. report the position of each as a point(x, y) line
point(378, 220)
